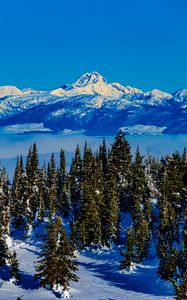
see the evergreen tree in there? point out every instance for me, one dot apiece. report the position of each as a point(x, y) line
point(56, 265)
point(140, 209)
point(52, 186)
point(14, 267)
point(20, 204)
point(89, 221)
point(128, 252)
point(33, 179)
point(111, 211)
point(75, 181)
point(4, 202)
point(42, 194)
point(3, 248)
point(120, 161)
point(66, 261)
point(63, 197)
point(103, 155)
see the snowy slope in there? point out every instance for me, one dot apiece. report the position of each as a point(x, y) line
point(94, 106)
point(99, 274)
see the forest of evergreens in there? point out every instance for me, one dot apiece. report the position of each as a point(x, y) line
point(95, 197)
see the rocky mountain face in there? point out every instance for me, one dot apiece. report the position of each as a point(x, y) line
point(93, 106)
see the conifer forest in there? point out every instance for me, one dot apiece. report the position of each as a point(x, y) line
point(107, 198)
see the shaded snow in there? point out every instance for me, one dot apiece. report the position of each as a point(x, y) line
point(100, 278)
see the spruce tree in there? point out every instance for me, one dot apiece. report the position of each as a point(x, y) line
point(33, 179)
point(75, 181)
point(128, 252)
point(14, 267)
point(66, 261)
point(20, 204)
point(89, 220)
point(52, 182)
point(56, 265)
point(120, 160)
point(3, 248)
point(63, 197)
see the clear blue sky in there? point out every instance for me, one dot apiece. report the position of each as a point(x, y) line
point(45, 43)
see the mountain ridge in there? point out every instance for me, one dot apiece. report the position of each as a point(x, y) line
point(96, 107)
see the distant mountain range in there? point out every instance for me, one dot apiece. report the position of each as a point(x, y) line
point(93, 106)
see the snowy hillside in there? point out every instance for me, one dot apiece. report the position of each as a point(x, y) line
point(95, 106)
point(99, 274)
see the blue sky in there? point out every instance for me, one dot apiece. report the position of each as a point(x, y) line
point(142, 43)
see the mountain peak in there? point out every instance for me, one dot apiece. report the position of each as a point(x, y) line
point(9, 90)
point(89, 78)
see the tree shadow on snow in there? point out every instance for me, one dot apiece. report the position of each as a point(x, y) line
point(143, 280)
point(28, 282)
point(4, 273)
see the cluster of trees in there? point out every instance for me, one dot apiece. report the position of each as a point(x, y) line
point(99, 193)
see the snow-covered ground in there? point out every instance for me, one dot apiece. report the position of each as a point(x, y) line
point(100, 278)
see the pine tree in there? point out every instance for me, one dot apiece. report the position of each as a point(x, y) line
point(75, 180)
point(89, 221)
point(103, 155)
point(42, 206)
point(4, 202)
point(52, 182)
point(33, 179)
point(111, 211)
point(129, 252)
point(3, 248)
point(66, 261)
point(63, 197)
point(120, 160)
point(140, 209)
point(14, 267)
point(172, 247)
point(56, 265)
point(20, 204)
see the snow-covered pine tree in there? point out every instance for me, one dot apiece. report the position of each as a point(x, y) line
point(43, 191)
point(172, 231)
point(63, 197)
point(111, 208)
point(52, 183)
point(140, 209)
point(76, 178)
point(103, 155)
point(4, 254)
point(20, 204)
point(89, 220)
point(128, 252)
point(14, 267)
point(120, 160)
point(56, 265)
point(4, 201)
point(66, 262)
point(33, 178)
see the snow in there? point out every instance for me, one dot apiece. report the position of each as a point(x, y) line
point(126, 90)
point(9, 90)
point(86, 101)
point(99, 275)
point(95, 84)
point(143, 129)
point(158, 97)
point(24, 128)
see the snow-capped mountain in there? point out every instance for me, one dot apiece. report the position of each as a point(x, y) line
point(96, 107)
point(9, 90)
